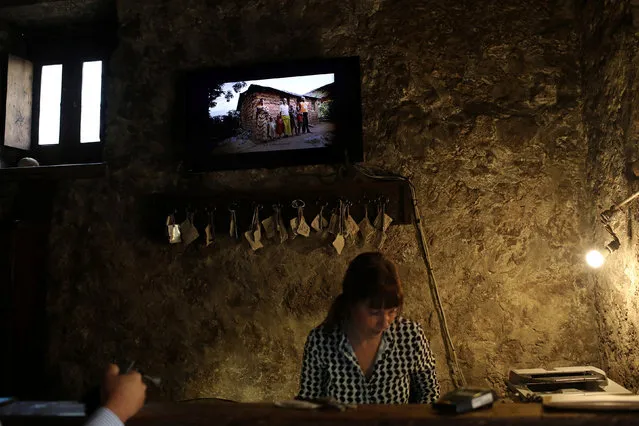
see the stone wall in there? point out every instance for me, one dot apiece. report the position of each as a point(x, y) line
point(478, 102)
point(611, 96)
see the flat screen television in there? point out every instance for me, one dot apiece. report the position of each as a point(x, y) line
point(272, 115)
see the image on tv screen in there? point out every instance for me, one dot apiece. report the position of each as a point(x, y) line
point(275, 114)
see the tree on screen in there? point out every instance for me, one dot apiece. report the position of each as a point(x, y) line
point(216, 91)
point(226, 126)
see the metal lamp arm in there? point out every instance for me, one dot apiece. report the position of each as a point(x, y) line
point(607, 215)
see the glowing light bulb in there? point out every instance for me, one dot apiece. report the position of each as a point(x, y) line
point(595, 259)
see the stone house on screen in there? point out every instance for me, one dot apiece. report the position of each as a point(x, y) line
point(248, 100)
point(323, 94)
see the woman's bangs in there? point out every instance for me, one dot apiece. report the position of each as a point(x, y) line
point(388, 297)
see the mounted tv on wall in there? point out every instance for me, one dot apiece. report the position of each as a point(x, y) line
point(273, 115)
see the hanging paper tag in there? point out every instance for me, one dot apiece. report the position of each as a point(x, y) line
point(257, 245)
point(366, 229)
point(387, 221)
point(209, 231)
point(303, 229)
point(269, 227)
point(333, 226)
point(175, 236)
point(378, 221)
point(173, 230)
point(338, 243)
point(380, 239)
point(294, 226)
point(315, 224)
point(300, 229)
point(189, 232)
point(254, 244)
point(257, 233)
point(351, 226)
point(233, 225)
point(254, 235)
point(210, 235)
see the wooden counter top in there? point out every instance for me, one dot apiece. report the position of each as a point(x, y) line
point(231, 414)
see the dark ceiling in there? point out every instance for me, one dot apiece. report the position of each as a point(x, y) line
point(43, 13)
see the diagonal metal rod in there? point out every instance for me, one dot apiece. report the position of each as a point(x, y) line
point(607, 215)
point(454, 370)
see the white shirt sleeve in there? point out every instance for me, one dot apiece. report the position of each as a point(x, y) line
point(103, 417)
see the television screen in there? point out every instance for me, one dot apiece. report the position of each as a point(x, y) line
point(271, 115)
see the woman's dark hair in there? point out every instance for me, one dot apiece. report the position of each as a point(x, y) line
point(370, 277)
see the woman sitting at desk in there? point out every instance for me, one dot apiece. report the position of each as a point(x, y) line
point(364, 352)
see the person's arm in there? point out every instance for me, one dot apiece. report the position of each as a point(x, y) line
point(104, 417)
point(122, 397)
point(313, 378)
point(424, 386)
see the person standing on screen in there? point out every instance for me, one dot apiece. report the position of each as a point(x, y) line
point(285, 117)
point(292, 113)
point(261, 122)
point(279, 126)
point(365, 352)
point(304, 109)
point(271, 128)
point(300, 118)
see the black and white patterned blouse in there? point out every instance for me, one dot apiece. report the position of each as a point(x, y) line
point(403, 372)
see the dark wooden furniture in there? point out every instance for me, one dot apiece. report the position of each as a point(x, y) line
point(23, 331)
point(230, 414)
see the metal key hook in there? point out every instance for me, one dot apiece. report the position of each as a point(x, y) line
point(298, 204)
point(321, 202)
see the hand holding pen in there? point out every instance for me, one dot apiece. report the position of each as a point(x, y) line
point(123, 394)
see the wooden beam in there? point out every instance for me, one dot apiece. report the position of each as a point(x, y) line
point(4, 4)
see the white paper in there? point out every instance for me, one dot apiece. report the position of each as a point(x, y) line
point(175, 236)
point(338, 243)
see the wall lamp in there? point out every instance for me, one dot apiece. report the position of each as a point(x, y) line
point(596, 258)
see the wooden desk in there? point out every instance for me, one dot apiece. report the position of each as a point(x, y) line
point(221, 414)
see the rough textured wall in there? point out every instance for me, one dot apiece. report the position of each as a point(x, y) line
point(479, 102)
point(611, 96)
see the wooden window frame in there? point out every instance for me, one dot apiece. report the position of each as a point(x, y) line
point(71, 49)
